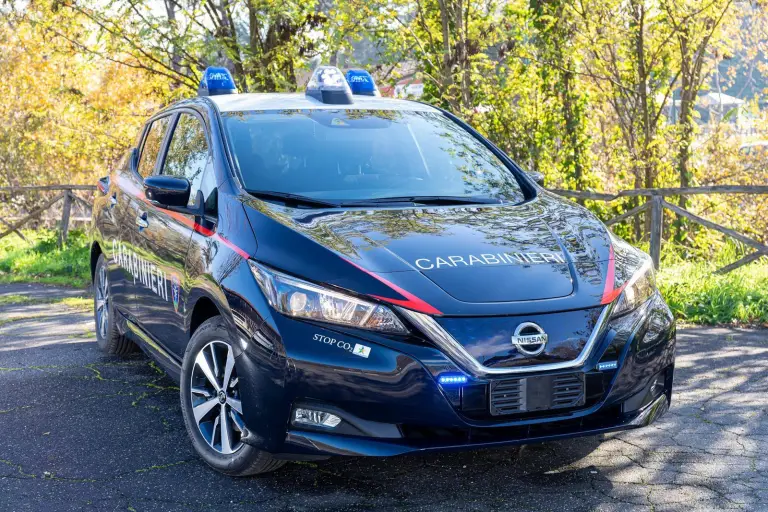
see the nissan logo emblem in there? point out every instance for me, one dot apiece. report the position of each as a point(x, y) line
point(529, 339)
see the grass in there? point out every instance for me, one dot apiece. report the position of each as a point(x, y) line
point(78, 303)
point(41, 261)
point(698, 296)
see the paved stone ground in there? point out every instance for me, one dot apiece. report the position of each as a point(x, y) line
point(83, 431)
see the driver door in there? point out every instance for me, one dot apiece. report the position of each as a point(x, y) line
point(164, 239)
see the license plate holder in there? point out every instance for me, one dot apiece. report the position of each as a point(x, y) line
point(536, 393)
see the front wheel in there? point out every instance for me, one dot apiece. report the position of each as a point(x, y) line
point(212, 407)
point(108, 337)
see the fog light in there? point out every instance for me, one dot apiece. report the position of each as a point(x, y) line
point(452, 379)
point(315, 418)
point(608, 365)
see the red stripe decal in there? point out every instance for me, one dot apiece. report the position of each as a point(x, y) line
point(411, 302)
point(232, 246)
point(183, 219)
point(609, 292)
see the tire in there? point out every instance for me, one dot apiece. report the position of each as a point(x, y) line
point(107, 336)
point(209, 355)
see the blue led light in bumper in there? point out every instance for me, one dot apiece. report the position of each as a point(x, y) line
point(452, 379)
point(608, 365)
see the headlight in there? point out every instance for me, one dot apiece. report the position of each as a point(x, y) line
point(634, 276)
point(300, 299)
point(637, 290)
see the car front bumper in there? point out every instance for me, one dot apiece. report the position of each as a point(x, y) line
point(333, 444)
point(391, 402)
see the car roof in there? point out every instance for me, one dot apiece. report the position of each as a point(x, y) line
point(299, 101)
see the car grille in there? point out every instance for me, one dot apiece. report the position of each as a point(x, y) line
point(507, 396)
point(567, 391)
point(538, 393)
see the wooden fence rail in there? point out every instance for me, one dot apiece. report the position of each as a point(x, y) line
point(664, 192)
point(67, 196)
point(655, 203)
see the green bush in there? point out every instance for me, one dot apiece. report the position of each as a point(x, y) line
point(698, 296)
point(40, 260)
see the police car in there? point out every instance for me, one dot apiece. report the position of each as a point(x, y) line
point(337, 273)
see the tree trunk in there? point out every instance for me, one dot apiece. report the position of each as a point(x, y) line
point(573, 130)
point(446, 75)
point(462, 51)
point(229, 36)
point(645, 176)
point(688, 92)
point(170, 11)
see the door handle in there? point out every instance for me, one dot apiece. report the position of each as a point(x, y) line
point(141, 220)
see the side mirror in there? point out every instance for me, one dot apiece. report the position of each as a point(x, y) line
point(167, 191)
point(537, 177)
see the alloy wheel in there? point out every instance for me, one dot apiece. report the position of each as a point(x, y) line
point(102, 302)
point(215, 397)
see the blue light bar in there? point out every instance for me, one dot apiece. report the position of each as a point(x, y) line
point(216, 81)
point(361, 82)
point(452, 379)
point(328, 85)
point(608, 365)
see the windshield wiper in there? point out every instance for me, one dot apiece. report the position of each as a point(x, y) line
point(433, 200)
point(289, 198)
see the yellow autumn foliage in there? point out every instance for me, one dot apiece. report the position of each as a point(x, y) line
point(66, 117)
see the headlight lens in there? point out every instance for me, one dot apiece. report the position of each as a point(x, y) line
point(634, 276)
point(300, 299)
point(637, 290)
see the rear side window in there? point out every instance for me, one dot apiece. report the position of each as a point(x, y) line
point(152, 144)
point(188, 155)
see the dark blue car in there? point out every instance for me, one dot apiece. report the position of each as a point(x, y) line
point(336, 273)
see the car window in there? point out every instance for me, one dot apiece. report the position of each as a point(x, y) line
point(152, 144)
point(188, 155)
point(364, 154)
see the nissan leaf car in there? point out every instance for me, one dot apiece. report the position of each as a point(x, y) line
point(336, 273)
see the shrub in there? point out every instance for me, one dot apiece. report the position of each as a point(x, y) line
point(40, 259)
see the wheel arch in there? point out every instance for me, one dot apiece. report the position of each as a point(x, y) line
point(95, 253)
point(204, 308)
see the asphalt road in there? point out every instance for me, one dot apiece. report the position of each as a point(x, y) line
point(83, 431)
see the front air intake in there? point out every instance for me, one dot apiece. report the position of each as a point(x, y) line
point(567, 391)
point(538, 393)
point(507, 396)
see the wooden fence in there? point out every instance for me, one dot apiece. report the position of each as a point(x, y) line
point(655, 203)
point(67, 196)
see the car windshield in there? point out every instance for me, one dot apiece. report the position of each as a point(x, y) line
point(363, 155)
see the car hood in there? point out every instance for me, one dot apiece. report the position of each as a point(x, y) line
point(466, 260)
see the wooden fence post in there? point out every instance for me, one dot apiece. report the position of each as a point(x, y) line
point(657, 223)
point(65, 211)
